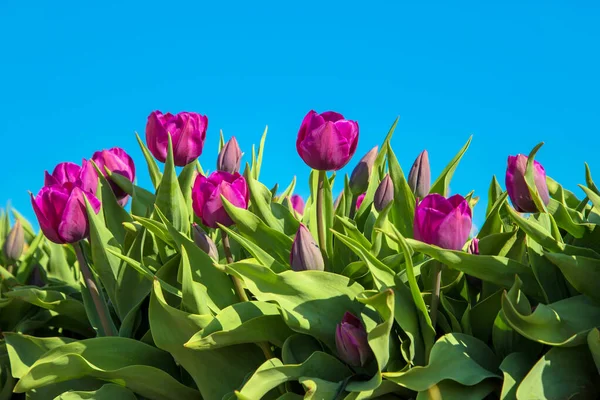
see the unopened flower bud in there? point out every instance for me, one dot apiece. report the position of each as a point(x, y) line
point(351, 341)
point(205, 243)
point(305, 254)
point(230, 157)
point(384, 193)
point(359, 180)
point(419, 178)
point(13, 245)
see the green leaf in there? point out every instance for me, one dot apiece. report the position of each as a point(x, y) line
point(530, 180)
point(25, 350)
point(288, 191)
point(593, 341)
point(186, 181)
point(449, 390)
point(298, 348)
point(247, 322)
point(273, 373)
point(142, 201)
point(493, 222)
point(494, 193)
point(153, 170)
point(260, 198)
point(483, 314)
point(583, 273)
point(136, 365)
point(562, 373)
point(194, 297)
point(457, 357)
point(109, 391)
point(564, 323)
point(261, 148)
point(442, 183)
point(589, 181)
point(403, 210)
point(515, 367)
point(256, 251)
point(215, 372)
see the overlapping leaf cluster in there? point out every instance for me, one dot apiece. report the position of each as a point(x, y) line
point(528, 331)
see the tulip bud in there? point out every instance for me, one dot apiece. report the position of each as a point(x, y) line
point(384, 193)
point(230, 157)
point(187, 130)
point(305, 254)
point(13, 245)
point(419, 178)
point(359, 200)
point(205, 243)
point(517, 186)
point(443, 222)
point(206, 197)
point(327, 141)
point(297, 203)
point(118, 161)
point(359, 180)
point(351, 341)
point(474, 249)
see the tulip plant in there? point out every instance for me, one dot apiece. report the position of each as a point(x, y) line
point(210, 285)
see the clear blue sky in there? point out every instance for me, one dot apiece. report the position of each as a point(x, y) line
point(77, 77)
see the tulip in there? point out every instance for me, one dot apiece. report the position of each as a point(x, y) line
point(230, 157)
point(14, 243)
point(205, 243)
point(327, 141)
point(71, 174)
point(384, 193)
point(517, 187)
point(351, 341)
point(474, 249)
point(116, 160)
point(207, 192)
point(443, 222)
point(359, 200)
point(187, 130)
point(359, 180)
point(419, 178)
point(61, 212)
point(297, 203)
point(305, 254)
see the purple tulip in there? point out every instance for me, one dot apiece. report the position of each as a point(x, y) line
point(359, 200)
point(206, 197)
point(517, 187)
point(187, 130)
point(305, 254)
point(116, 160)
point(71, 174)
point(230, 157)
point(205, 243)
point(474, 247)
point(61, 212)
point(359, 180)
point(419, 178)
point(297, 203)
point(384, 194)
point(14, 243)
point(443, 222)
point(327, 141)
point(351, 341)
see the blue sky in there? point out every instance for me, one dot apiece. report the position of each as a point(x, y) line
point(82, 76)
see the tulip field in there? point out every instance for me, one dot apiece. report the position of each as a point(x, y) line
point(211, 285)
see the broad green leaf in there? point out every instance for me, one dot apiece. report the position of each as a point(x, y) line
point(298, 348)
point(215, 372)
point(450, 390)
point(557, 192)
point(548, 275)
point(493, 222)
point(319, 389)
point(25, 350)
point(564, 323)
point(442, 183)
point(403, 210)
point(515, 367)
point(260, 197)
point(58, 266)
point(157, 228)
point(194, 297)
point(583, 273)
point(134, 364)
point(386, 387)
point(494, 193)
point(593, 341)
point(562, 373)
point(142, 201)
point(483, 314)
point(256, 251)
point(457, 357)
point(153, 170)
point(247, 322)
point(186, 180)
point(109, 391)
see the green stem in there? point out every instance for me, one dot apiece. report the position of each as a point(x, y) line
point(320, 218)
point(237, 283)
point(92, 288)
point(435, 292)
point(353, 206)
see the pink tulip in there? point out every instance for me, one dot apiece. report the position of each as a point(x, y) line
point(443, 222)
point(517, 187)
point(117, 161)
point(297, 203)
point(71, 174)
point(206, 197)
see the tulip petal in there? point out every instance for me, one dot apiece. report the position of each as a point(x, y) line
point(74, 224)
point(46, 222)
point(331, 116)
point(453, 231)
point(540, 182)
point(426, 224)
point(156, 135)
point(66, 172)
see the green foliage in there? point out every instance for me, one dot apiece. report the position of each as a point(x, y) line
point(529, 330)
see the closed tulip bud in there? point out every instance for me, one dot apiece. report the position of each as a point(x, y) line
point(305, 254)
point(297, 203)
point(359, 180)
point(205, 243)
point(327, 141)
point(13, 245)
point(384, 193)
point(207, 192)
point(443, 222)
point(71, 174)
point(474, 249)
point(230, 157)
point(61, 212)
point(351, 341)
point(359, 200)
point(419, 178)
point(517, 186)
point(116, 160)
point(187, 130)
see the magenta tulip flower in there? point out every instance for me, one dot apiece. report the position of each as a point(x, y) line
point(187, 130)
point(71, 174)
point(517, 187)
point(351, 341)
point(443, 222)
point(61, 212)
point(297, 203)
point(327, 141)
point(118, 161)
point(359, 200)
point(207, 192)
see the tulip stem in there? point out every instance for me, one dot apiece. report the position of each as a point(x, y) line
point(353, 206)
point(237, 283)
point(435, 292)
point(320, 218)
point(92, 288)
